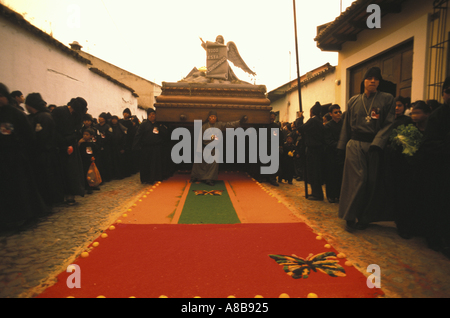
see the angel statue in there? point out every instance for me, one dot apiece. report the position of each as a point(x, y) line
point(217, 56)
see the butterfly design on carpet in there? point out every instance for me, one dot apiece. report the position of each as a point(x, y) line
point(297, 267)
point(206, 192)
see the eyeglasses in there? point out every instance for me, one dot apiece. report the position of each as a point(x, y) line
point(337, 112)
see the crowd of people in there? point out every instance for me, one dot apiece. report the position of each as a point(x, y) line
point(308, 151)
point(383, 159)
point(396, 163)
point(47, 151)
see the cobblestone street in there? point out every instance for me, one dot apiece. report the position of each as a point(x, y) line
point(409, 269)
point(31, 257)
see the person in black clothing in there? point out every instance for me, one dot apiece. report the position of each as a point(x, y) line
point(254, 169)
point(405, 177)
point(271, 178)
point(419, 115)
point(68, 120)
point(285, 131)
point(398, 176)
point(436, 153)
point(326, 118)
point(17, 99)
point(51, 107)
point(296, 141)
point(104, 159)
point(127, 122)
point(119, 139)
point(45, 164)
point(433, 104)
point(314, 134)
point(88, 122)
point(149, 142)
point(20, 199)
point(289, 152)
point(334, 165)
point(88, 151)
point(133, 164)
point(300, 144)
point(400, 107)
point(169, 166)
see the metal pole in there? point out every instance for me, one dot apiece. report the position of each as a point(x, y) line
point(300, 94)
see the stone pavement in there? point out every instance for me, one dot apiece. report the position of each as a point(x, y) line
point(31, 257)
point(409, 269)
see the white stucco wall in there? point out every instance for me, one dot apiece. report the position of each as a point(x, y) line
point(30, 64)
point(321, 89)
point(146, 90)
point(280, 105)
point(411, 23)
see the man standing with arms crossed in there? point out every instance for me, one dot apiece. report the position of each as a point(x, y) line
point(365, 132)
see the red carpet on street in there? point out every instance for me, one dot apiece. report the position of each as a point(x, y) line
point(149, 254)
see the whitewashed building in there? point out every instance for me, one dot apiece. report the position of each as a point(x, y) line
point(147, 90)
point(409, 44)
point(33, 61)
point(317, 85)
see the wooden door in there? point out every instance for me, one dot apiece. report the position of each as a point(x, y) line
point(396, 69)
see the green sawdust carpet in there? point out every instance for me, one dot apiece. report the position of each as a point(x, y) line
point(208, 205)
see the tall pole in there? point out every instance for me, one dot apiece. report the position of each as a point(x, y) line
point(299, 93)
point(298, 63)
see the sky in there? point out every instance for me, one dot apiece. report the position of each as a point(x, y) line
point(159, 40)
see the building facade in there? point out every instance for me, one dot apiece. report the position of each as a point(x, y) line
point(146, 89)
point(409, 44)
point(317, 85)
point(33, 61)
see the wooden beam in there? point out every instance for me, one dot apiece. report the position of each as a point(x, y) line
point(330, 47)
point(390, 8)
point(359, 24)
point(345, 37)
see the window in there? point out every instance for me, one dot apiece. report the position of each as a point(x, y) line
point(439, 66)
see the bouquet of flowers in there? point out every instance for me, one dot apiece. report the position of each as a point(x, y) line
point(408, 137)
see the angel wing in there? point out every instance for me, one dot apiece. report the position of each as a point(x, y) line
point(235, 57)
